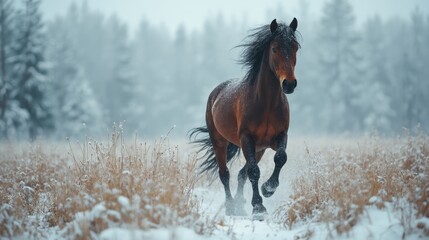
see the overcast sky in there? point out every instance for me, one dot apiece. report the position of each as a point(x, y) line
point(193, 13)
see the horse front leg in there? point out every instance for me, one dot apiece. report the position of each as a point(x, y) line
point(241, 179)
point(253, 172)
point(280, 158)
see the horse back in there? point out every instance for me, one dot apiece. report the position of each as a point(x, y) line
point(221, 112)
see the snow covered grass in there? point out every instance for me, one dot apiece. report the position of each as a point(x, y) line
point(341, 184)
point(95, 186)
point(330, 188)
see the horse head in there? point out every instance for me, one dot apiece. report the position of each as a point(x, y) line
point(282, 54)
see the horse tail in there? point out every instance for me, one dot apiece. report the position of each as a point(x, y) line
point(205, 145)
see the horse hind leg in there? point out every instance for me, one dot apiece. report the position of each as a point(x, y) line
point(220, 149)
point(239, 198)
point(280, 158)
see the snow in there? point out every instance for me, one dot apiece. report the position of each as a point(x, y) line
point(375, 199)
point(375, 224)
point(378, 221)
point(179, 233)
point(125, 203)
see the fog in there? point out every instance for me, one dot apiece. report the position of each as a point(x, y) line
point(75, 68)
point(193, 13)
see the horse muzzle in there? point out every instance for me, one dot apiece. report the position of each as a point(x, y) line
point(289, 86)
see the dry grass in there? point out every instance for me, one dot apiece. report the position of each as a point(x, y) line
point(79, 190)
point(95, 186)
point(339, 184)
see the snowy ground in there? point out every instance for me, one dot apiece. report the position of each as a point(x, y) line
point(375, 223)
point(390, 222)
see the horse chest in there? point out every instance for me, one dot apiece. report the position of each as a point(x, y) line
point(265, 133)
point(267, 129)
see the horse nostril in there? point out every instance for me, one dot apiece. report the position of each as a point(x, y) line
point(289, 85)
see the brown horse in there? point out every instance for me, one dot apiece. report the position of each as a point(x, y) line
point(252, 114)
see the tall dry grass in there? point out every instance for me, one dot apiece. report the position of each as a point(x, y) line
point(340, 183)
point(94, 186)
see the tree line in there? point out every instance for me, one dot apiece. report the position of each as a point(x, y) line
point(81, 72)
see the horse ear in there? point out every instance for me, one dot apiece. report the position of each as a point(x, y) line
point(294, 24)
point(273, 26)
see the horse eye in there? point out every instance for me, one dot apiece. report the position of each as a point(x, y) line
point(274, 50)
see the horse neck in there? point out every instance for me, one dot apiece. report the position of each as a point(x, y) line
point(267, 85)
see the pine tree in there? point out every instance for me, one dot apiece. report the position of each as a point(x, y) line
point(217, 63)
point(420, 62)
point(121, 83)
point(152, 62)
point(339, 74)
point(11, 115)
point(29, 71)
point(376, 78)
point(74, 106)
point(184, 81)
point(304, 116)
point(6, 34)
point(408, 67)
point(89, 40)
point(406, 92)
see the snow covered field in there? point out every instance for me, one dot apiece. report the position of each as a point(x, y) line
point(116, 190)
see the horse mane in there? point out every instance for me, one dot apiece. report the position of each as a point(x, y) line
point(256, 43)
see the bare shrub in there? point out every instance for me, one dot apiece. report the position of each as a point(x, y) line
point(97, 185)
point(340, 183)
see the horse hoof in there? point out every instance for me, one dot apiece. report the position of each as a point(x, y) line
point(239, 206)
point(268, 190)
point(259, 212)
point(258, 217)
point(229, 209)
point(239, 211)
